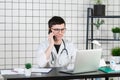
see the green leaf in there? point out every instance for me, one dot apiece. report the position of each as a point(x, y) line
point(98, 23)
point(28, 65)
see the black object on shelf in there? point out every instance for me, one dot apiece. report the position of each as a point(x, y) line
point(99, 10)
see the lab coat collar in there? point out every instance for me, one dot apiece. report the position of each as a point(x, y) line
point(60, 49)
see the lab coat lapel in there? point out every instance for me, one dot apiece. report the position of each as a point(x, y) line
point(54, 52)
point(61, 48)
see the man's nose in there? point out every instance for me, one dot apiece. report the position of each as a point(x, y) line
point(60, 31)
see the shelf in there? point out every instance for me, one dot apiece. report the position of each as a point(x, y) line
point(90, 19)
point(111, 16)
point(106, 39)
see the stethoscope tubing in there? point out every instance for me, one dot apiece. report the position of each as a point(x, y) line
point(64, 49)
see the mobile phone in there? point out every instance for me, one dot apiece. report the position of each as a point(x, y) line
point(53, 36)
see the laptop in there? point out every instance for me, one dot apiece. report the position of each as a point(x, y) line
point(86, 61)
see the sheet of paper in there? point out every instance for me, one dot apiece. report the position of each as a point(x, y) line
point(20, 71)
point(4, 72)
point(41, 70)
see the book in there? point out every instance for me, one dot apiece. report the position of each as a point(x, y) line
point(107, 69)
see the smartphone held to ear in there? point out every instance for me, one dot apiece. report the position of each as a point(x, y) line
point(53, 36)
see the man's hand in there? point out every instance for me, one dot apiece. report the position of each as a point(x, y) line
point(50, 39)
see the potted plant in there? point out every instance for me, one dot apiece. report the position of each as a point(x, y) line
point(116, 32)
point(28, 67)
point(97, 24)
point(99, 8)
point(115, 52)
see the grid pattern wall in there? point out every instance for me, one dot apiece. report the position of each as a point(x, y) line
point(23, 26)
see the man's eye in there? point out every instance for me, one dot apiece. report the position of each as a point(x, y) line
point(56, 29)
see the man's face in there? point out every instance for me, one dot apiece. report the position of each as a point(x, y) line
point(58, 31)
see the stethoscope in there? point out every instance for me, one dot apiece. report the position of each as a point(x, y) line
point(64, 50)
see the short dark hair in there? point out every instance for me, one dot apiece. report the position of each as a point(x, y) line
point(55, 20)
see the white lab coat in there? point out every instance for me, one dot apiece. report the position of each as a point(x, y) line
point(60, 59)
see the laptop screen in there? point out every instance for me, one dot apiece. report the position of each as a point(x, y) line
point(87, 60)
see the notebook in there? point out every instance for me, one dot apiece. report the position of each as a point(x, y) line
point(86, 61)
point(107, 69)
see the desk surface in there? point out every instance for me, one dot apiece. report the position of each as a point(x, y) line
point(54, 74)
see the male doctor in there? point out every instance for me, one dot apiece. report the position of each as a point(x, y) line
point(55, 51)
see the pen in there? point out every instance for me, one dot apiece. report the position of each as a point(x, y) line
point(15, 71)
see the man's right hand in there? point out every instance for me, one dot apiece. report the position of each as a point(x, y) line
point(50, 39)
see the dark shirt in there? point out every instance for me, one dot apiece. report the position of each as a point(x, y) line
point(57, 47)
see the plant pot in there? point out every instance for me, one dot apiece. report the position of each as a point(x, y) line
point(99, 10)
point(27, 72)
point(97, 33)
point(116, 59)
point(116, 35)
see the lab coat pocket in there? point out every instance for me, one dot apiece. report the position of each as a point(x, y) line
point(63, 60)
